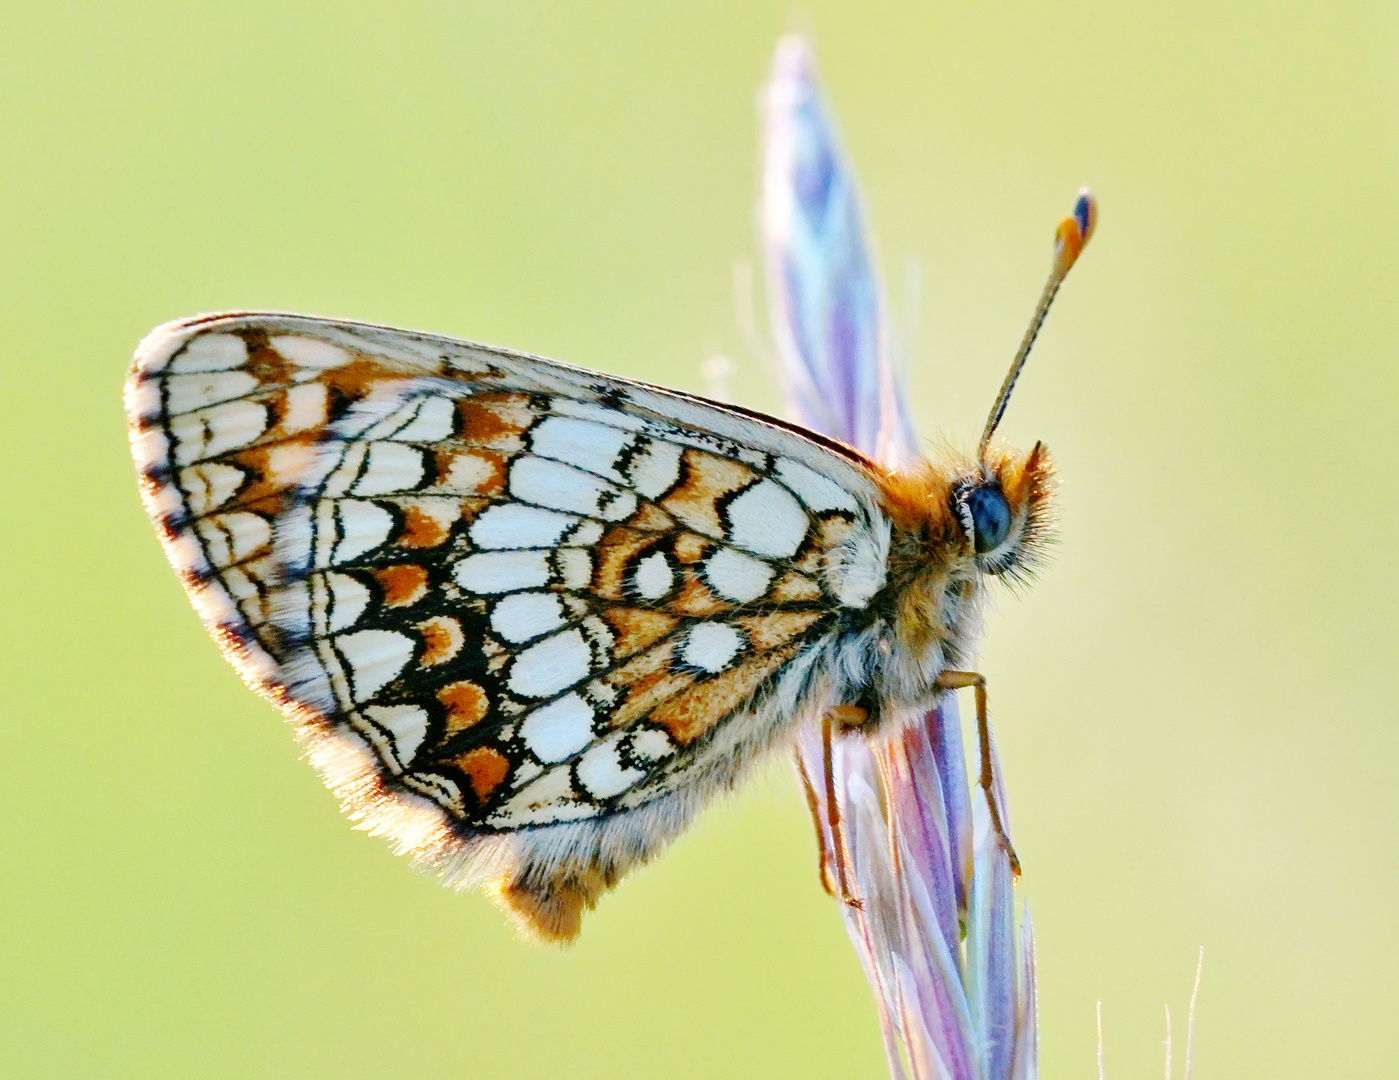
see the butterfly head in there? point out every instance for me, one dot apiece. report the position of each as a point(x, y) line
point(1004, 511)
point(956, 525)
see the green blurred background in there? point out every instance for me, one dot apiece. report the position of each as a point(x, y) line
point(1195, 703)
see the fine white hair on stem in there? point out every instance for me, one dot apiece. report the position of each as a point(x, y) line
point(1168, 1042)
point(1189, 1028)
point(1100, 1041)
point(1190, 1020)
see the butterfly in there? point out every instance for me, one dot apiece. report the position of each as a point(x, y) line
point(528, 619)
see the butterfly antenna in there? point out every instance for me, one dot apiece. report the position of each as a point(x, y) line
point(1069, 239)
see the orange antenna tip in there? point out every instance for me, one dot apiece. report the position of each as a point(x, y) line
point(1075, 231)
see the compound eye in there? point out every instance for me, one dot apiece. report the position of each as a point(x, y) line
point(990, 518)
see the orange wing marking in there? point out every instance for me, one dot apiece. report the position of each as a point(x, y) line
point(690, 714)
point(636, 628)
point(469, 472)
point(495, 421)
point(404, 584)
point(614, 554)
point(485, 768)
point(442, 639)
point(466, 705)
point(707, 479)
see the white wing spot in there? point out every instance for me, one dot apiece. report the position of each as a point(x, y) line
point(766, 519)
point(654, 577)
point(820, 493)
point(231, 538)
point(211, 432)
point(431, 423)
point(711, 646)
point(602, 773)
point(348, 599)
point(547, 800)
point(575, 568)
point(586, 410)
point(310, 352)
point(375, 658)
point(184, 393)
point(522, 616)
point(211, 352)
point(390, 467)
point(858, 568)
point(513, 525)
point(585, 534)
point(239, 585)
point(491, 572)
point(344, 467)
point(555, 664)
point(557, 731)
point(594, 447)
point(306, 408)
point(655, 469)
point(406, 723)
point(652, 744)
point(737, 576)
point(561, 487)
point(209, 486)
point(363, 526)
point(290, 463)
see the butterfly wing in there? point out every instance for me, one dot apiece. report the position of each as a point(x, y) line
point(527, 617)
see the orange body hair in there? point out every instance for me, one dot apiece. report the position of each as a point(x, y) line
point(934, 573)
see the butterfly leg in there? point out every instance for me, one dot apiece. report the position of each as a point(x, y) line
point(847, 895)
point(842, 890)
point(811, 804)
point(960, 680)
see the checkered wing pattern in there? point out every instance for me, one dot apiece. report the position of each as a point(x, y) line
point(526, 593)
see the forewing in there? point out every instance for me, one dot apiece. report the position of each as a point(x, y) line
point(533, 593)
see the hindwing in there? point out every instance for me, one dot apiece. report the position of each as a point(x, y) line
point(534, 593)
